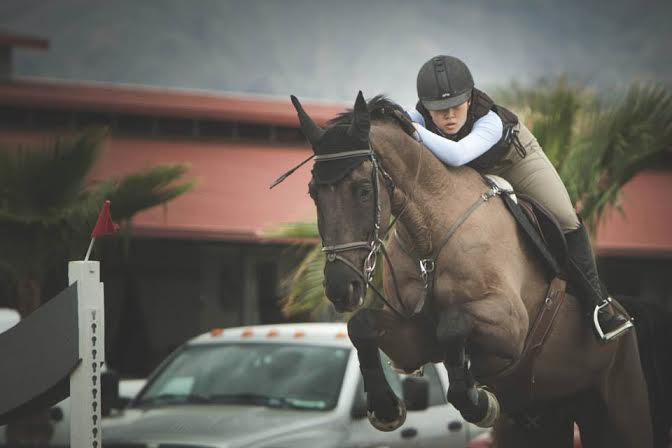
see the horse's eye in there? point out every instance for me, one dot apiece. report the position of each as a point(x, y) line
point(364, 192)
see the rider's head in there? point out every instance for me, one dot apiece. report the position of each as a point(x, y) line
point(444, 88)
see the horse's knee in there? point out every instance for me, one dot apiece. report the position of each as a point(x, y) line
point(454, 325)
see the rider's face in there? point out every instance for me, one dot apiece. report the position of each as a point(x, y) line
point(451, 120)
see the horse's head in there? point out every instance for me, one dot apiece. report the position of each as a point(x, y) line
point(352, 204)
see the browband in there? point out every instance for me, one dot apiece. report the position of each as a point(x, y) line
point(343, 155)
point(325, 158)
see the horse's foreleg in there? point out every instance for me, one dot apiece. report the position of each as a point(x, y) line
point(385, 410)
point(476, 405)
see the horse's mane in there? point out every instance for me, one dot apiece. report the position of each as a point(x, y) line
point(380, 108)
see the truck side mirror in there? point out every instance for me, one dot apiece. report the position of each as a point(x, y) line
point(109, 392)
point(416, 393)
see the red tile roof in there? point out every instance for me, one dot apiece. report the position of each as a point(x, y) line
point(22, 40)
point(160, 102)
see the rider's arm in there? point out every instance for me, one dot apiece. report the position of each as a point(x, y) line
point(487, 131)
point(416, 116)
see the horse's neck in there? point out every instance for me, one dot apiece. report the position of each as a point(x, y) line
point(428, 194)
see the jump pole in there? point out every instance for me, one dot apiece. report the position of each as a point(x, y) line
point(85, 388)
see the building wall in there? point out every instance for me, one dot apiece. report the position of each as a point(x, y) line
point(171, 290)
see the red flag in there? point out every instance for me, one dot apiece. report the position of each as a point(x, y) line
point(104, 225)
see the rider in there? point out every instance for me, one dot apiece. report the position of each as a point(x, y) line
point(461, 125)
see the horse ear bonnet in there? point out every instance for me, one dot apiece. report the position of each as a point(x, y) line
point(338, 138)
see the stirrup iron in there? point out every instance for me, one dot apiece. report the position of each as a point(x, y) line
point(614, 333)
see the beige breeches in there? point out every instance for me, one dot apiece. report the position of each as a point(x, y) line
point(535, 176)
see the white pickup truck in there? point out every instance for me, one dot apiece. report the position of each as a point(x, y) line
point(288, 385)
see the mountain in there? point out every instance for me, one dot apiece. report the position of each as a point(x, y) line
point(331, 49)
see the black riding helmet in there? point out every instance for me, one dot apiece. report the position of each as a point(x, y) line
point(443, 82)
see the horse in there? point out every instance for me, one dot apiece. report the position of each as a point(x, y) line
point(461, 286)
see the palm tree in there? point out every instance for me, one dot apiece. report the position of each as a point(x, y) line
point(47, 208)
point(596, 145)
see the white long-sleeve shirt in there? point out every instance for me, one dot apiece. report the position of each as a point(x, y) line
point(486, 132)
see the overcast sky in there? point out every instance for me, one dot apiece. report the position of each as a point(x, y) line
point(330, 49)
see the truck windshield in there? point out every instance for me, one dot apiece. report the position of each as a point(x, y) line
point(274, 375)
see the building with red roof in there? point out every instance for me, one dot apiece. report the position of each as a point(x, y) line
point(210, 257)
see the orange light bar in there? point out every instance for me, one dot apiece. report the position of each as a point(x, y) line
point(299, 333)
point(216, 332)
point(247, 333)
point(341, 334)
point(272, 332)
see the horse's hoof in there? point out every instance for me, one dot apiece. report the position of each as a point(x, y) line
point(384, 426)
point(492, 413)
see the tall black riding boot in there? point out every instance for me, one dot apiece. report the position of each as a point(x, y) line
point(608, 323)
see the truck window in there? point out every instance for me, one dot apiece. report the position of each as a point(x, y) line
point(276, 375)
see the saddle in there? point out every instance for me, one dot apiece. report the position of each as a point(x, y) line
point(538, 224)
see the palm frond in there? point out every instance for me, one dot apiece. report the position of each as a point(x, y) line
point(47, 209)
point(305, 229)
point(551, 110)
point(147, 189)
point(304, 285)
point(37, 183)
point(629, 136)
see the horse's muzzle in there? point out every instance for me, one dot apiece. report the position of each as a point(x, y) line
point(343, 287)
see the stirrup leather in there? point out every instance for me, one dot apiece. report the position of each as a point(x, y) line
point(614, 333)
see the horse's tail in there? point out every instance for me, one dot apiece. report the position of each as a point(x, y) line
point(654, 334)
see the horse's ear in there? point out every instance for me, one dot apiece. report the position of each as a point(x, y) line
point(312, 131)
point(361, 121)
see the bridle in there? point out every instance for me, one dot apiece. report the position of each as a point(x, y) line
point(332, 251)
point(376, 243)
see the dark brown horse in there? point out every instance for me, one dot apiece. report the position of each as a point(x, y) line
point(463, 287)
